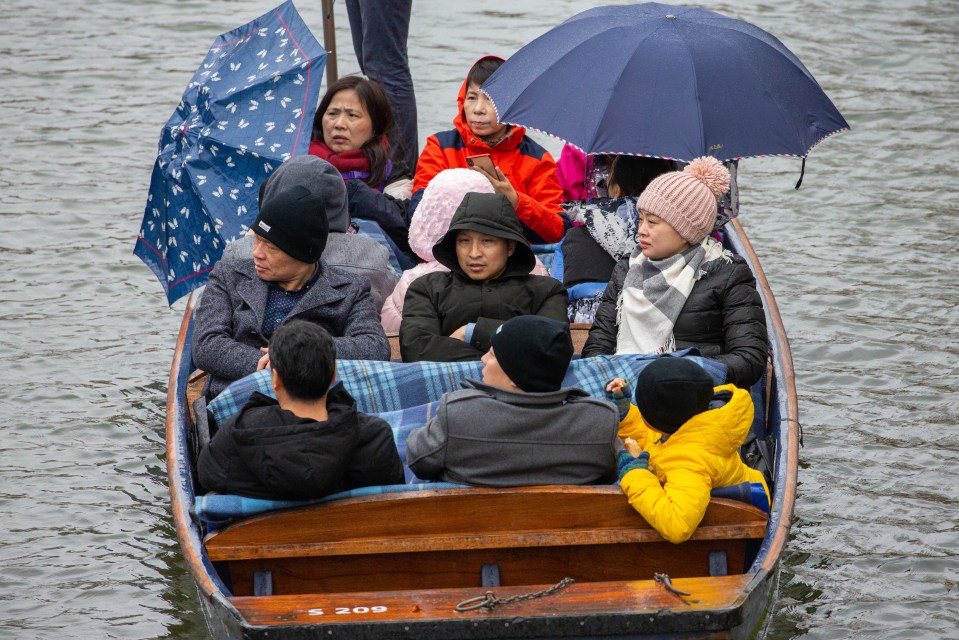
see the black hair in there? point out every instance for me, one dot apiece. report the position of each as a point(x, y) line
point(304, 357)
point(482, 70)
point(377, 105)
point(632, 174)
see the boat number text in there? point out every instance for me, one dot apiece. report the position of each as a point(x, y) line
point(340, 611)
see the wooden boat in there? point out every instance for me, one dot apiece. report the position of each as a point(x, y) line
point(490, 563)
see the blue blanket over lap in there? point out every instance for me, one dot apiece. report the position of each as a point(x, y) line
point(390, 386)
point(406, 396)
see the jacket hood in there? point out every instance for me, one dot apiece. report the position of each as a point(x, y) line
point(722, 430)
point(492, 214)
point(320, 178)
point(513, 137)
point(441, 198)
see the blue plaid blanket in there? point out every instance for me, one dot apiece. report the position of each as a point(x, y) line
point(391, 386)
point(405, 395)
point(217, 509)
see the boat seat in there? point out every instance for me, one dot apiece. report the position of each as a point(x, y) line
point(378, 539)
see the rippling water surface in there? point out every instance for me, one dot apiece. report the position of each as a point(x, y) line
point(862, 260)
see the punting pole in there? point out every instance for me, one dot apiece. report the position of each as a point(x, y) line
point(329, 41)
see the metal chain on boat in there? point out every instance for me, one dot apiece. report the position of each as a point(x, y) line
point(664, 580)
point(489, 600)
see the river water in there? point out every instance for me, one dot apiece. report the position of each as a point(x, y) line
point(861, 259)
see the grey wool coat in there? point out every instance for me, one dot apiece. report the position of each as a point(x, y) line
point(350, 252)
point(228, 318)
point(487, 436)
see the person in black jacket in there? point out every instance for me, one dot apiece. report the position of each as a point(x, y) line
point(449, 316)
point(307, 443)
point(680, 288)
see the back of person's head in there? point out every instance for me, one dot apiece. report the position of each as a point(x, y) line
point(319, 176)
point(303, 355)
point(493, 215)
point(441, 198)
point(688, 200)
point(670, 391)
point(533, 351)
point(377, 105)
point(632, 174)
point(482, 69)
point(293, 217)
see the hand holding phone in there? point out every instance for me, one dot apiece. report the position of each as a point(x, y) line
point(482, 161)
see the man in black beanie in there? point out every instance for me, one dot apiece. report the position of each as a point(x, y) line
point(247, 299)
point(519, 426)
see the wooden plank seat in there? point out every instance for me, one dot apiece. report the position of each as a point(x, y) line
point(442, 539)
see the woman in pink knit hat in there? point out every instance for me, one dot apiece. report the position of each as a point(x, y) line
point(680, 288)
point(442, 196)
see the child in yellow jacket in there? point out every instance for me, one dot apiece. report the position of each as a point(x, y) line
point(682, 441)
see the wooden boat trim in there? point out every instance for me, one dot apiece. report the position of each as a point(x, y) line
point(576, 600)
point(525, 517)
point(787, 464)
point(427, 543)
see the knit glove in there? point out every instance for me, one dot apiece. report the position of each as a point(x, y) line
point(619, 398)
point(626, 463)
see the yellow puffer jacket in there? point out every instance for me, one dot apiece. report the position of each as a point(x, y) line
point(702, 455)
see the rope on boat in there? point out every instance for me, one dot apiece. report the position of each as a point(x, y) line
point(489, 600)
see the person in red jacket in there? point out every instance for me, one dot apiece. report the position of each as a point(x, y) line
point(523, 171)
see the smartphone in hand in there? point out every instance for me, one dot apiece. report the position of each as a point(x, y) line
point(483, 161)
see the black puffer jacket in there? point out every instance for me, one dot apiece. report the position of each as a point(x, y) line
point(267, 452)
point(439, 303)
point(723, 318)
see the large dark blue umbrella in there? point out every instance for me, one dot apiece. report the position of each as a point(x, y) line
point(248, 108)
point(666, 81)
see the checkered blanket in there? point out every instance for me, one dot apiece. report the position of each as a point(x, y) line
point(217, 509)
point(380, 387)
point(405, 396)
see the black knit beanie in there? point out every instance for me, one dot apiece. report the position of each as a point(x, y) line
point(670, 391)
point(533, 351)
point(294, 220)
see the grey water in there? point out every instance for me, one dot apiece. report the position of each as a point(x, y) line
point(862, 260)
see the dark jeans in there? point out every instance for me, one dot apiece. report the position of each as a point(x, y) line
point(380, 29)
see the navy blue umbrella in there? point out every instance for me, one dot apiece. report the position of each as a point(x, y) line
point(659, 80)
point(248, 108)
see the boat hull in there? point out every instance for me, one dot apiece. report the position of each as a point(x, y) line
point(615, 604)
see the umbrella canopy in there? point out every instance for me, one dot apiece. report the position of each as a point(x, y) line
point(248, 108)
point(659, 80)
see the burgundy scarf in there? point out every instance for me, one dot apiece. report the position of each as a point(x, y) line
point(350, 164)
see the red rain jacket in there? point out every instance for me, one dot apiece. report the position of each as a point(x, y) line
point(528, 167)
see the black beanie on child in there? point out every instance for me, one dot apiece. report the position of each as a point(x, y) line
point(295, 221)
point(533, 351)
point(670, 391)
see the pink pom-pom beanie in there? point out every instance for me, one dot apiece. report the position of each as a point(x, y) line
point(442, 196)
point(687, 199)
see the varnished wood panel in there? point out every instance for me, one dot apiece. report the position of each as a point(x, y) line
point(518, 566)
point(465, 519)
point(622, 597)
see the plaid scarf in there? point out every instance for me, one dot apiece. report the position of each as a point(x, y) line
point(654, 293)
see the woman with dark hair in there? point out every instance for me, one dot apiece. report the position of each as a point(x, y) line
point(352, 129)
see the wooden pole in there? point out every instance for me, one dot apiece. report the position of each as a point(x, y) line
point(329, 41)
